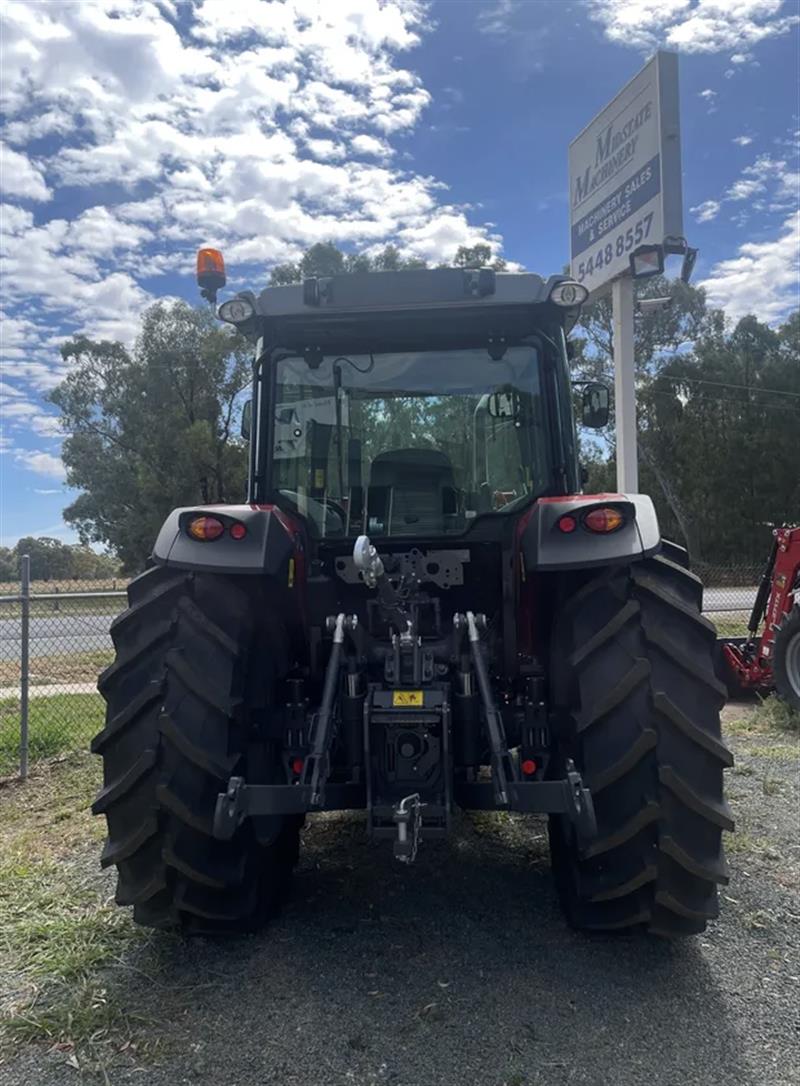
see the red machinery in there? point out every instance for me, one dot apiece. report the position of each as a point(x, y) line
point(771, 659)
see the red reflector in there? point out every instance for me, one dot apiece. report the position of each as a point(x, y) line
point(238, 531)
point(528, 767)
point(205, 528)
point(603, 520)
point(297, 766)
point(567, 523)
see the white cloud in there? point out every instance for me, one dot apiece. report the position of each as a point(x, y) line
point(708, 94)
point(743, 141)
point(20, 177)
point(762, 279)
point(766, 184)
point(693, 26)
point(47, 425)
point(495, 18)
point(47, 490)
point(705, 212)
point(259, 126)
point(326, 150)
point(43, 463)
point(370, 145)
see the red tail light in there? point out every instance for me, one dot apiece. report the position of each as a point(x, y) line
point(237, 531)
point(567, 523)
point(205, 528)
point(603, 520)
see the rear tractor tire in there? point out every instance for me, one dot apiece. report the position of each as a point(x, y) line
point(189, 663)
point(639, 704)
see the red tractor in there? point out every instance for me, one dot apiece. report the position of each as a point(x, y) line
point(771, 660)
point(415, 610)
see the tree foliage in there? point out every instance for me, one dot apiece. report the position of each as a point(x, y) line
point(325, 259)
point(153, 428)
point(718, 419)
point(52, 560)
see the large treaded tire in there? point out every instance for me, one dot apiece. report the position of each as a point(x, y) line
point(634, 677)
point(786, 651)
point(176, 729)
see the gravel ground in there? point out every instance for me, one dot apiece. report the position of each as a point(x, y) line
point(460, 970)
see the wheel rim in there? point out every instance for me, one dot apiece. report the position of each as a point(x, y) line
point(793, 663)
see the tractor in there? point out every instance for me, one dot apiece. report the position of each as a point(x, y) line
point(416, 611)
point(770, 660)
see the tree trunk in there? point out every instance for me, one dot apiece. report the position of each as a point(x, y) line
point(674, 502)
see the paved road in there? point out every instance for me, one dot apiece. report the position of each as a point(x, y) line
point(61, 634)
point(56, 635)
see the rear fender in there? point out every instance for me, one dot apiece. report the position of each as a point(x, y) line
point(545, 547)
point(274, 544)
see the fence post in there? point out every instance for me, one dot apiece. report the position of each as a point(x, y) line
point(24, 678)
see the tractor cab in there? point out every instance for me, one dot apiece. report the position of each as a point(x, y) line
point(411, 403)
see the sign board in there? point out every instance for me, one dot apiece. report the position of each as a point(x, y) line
point(625, 176)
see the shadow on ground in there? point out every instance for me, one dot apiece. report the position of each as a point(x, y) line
point(458, 970)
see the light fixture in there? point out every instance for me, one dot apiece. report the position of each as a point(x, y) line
point(569, 294)
point(647, 260)
point(237, 310)
point(688, 264)
point(210, 273)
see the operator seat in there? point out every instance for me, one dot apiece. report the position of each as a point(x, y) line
point(412, 492)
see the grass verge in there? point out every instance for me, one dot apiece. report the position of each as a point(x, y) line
point(769, 716)
point(56, 724)
point(61, 931)
point(62, 668)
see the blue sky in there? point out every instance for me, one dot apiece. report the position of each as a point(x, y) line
point(135, 131)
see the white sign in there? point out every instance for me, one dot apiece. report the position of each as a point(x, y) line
point(625, 176)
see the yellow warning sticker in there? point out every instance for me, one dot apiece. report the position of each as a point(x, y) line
point(406, 697)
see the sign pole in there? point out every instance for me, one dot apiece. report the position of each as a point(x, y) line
point(625, 385)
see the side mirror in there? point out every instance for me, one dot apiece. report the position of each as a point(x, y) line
point(247, 420)
point(595, 407)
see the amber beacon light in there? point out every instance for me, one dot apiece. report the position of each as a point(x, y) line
point(210, 273)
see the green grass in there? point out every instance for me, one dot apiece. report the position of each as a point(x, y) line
point(64, 722)
point(96, 605)
point(730, 625)
point(774, 752)
point(58, 669)
point(777, 715)
point(62, 935)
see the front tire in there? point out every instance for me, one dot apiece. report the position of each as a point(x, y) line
point(786, 658)
point(177, 727)
point(639, 705)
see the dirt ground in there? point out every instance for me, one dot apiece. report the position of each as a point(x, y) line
point(459, 970)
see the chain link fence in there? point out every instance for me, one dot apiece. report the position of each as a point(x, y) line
point(729, 592)
point(54, 642)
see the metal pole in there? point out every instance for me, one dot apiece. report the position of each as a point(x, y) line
point(624, 385)
point(24, 678)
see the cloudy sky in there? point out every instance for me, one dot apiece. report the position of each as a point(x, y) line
point(135, 131)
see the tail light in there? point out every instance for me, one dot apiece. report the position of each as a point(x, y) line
point(603, 520)
point(205, 528)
